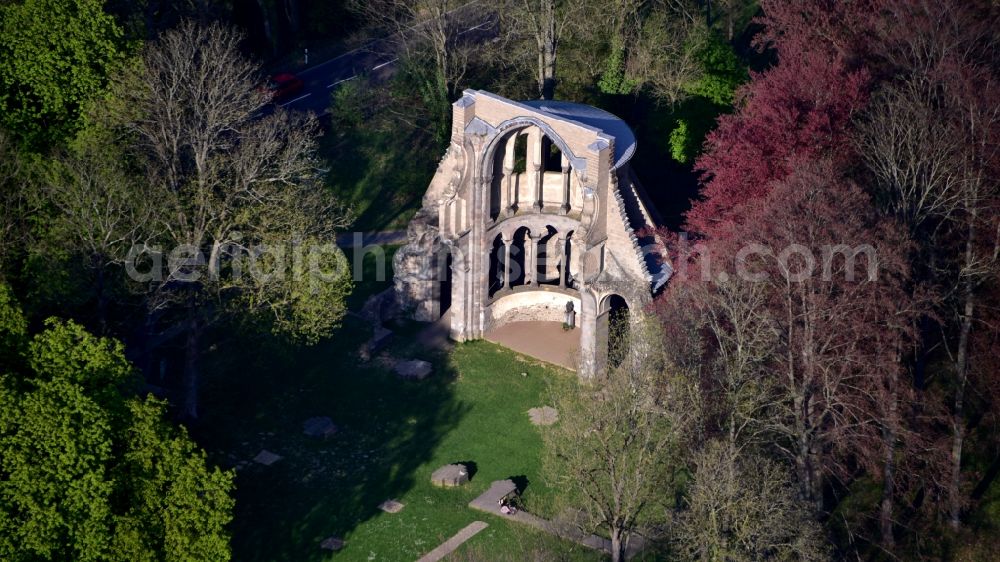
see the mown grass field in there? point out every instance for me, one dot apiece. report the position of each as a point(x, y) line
point(393, 434)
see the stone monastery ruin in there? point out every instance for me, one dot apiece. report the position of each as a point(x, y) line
point(533, 208)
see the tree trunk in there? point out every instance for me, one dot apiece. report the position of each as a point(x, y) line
point(191, 348)
point(958, 414)
point(889, 441)
point(802, 460)
point(888, 484)
point(619, 543)
point(266, 15)
point(102, 294)
point(961, 375)
point(816, 480)
point(547, 52)
point(541, 71)
point(549, 74)
point(292, 15)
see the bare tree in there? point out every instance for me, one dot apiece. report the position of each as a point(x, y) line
point(430, 30)
point(930, 142)
point(910, 148)
point(732, 9)
point(614, 443)
point(237, 193)
point(978, 267)
point(662, 56)
point(102, 210)
point(545, 24)
point(744, 341)
point(742, 507)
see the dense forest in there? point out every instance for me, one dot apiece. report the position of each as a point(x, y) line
point(828, 174)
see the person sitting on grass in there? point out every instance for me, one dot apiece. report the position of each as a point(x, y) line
point(506, 507)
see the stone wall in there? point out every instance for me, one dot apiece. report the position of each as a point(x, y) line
point(417, 273)
point(522, 306)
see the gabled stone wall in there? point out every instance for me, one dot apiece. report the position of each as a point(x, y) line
point(469, 213)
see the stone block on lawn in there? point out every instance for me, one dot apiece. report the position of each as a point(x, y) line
point(450, 475)
point(546, 415)
point(266, 458)
point(332, 544)
point(391, 506)
point(414, 369)
point(320, 426)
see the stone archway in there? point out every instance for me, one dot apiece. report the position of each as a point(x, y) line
point(519, 272)
point(548, 256)
point(618, 319)
point(612, 331)
point(497, 274)
point(516, 162)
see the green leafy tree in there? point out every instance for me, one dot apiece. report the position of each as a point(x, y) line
point(707, 94)
point(246, 225)
point(55, 55)
point(681, 143)
point(721, 71)
point(67, 351)
point(179, 506)
point(55, 444)
point(13, 327)
point(89, 474)
point(614, 79)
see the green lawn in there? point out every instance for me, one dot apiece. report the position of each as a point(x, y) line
point(393, 435)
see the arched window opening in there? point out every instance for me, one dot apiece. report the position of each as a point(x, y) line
point(496, 274)
point(520, 153)
point(548, 257)
point(551, 155)
point(619, 330)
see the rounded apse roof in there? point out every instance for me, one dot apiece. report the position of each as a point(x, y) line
point(597, 118)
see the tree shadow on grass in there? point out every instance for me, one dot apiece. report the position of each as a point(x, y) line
point(521, 482)
point(382, 176)
point(257, 396)
point(471, 467)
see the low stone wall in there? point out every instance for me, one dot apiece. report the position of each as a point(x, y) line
point(546, 305)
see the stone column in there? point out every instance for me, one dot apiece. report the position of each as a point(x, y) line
point(561, 240)
point(565, 179)
point(458, 329)
point(507, 198)
point(587, 321)
point(575, 254)
point(443, 216)
point(535, 145)
point(507, 241)
point(533, 250)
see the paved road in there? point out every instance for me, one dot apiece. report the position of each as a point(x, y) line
point(372, 59)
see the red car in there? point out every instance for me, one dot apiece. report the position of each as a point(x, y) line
point(284, 86)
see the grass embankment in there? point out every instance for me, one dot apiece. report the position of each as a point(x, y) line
point(382, 175)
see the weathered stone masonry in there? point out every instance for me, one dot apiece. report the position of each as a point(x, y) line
point(533, 205)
